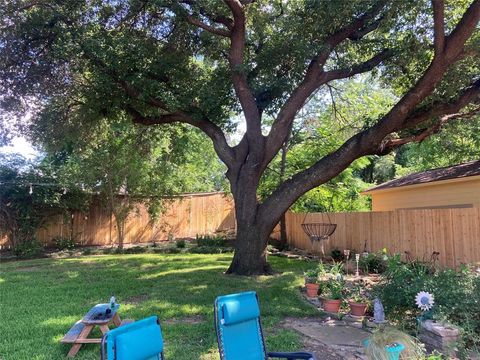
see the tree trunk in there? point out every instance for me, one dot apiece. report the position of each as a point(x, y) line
point(253, 230)
point(250, 257)
point(120, 231)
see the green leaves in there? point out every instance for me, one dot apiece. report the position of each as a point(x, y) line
point(341, 110)
point(29, 195)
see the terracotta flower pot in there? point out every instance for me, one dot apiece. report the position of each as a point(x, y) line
point(312, 289)
point(357, 309)
point(332, 306)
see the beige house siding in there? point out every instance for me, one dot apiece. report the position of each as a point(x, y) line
point(463, 192)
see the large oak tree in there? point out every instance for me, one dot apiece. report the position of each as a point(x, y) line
point(203, 62)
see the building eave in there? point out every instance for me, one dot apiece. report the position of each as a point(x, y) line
point(416, 186)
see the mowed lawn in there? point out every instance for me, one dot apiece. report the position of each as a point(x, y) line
point(41, 299)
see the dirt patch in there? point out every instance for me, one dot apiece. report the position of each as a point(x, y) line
point(191, 320)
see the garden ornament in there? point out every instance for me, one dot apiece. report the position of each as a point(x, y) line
point(424, 300)
point(378, 312)
point(346, 252)
point(357, 259)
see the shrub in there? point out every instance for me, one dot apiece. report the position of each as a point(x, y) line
point(210, 250)
point(374, 262)
point(278, 245)
point(28, 249)
point(211, 240)
point(171, 251)
point(337, 255)
point(135, 250)
point(457, 296)
point(63, 243)
point(211, 244)
point(181, 244)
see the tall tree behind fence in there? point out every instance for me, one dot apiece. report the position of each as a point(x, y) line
point(184, 216)
point(455, 233)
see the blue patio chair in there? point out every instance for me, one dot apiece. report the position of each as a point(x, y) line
point(140, 340)
point(239, 332)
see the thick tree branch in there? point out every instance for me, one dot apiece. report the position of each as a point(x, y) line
point(278, 128)
point(359, 68)
point(206, 27)
point(219, 19)
point(316, 77)
point(369, 141)
point(224, 151)
point(239, 79)
point(470, 95)
point(464, 29)
point(391, 144)
point(359, 34)
point(438, 25)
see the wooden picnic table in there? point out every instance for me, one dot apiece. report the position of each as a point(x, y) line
point(96, 316)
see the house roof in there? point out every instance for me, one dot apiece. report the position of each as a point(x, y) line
point(471, 168)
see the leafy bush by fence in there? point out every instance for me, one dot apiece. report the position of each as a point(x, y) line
point(456, 293)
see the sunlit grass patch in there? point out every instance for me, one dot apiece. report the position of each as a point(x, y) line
point(41, 299)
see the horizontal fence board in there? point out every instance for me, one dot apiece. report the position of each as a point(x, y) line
point(454, 233)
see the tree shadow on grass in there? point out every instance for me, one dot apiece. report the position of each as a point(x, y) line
point(172, 287)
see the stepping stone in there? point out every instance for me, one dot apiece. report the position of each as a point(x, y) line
point(333, 335)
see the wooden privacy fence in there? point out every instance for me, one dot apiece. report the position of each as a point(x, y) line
point(455, 233)
point(184, 216)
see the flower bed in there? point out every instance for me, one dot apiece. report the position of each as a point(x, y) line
point(456, 294)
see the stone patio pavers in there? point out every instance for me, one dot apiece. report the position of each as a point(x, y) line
point(334, 338)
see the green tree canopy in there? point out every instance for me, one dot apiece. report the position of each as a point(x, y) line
point(201, 62)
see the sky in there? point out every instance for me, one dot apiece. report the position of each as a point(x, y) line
point(21, 146)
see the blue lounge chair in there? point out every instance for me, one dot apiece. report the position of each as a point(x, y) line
point(140, 340)
point(239, 332)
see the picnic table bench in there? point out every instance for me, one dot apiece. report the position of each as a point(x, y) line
point(96, 316)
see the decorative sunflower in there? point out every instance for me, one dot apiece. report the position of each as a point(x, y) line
point(424, 300)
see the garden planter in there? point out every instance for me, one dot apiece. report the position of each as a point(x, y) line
point(440, 336)
point(312, 289)
point(332, 306)
point(357, 309)
point(393, 352)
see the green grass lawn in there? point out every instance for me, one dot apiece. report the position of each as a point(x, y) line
point(41, 299)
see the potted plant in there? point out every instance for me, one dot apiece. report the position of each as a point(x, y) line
point(387, 343)
point(332, 294)
point(357, 301)
point(311, 282)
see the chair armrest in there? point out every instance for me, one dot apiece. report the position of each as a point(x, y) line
point(292, 355)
